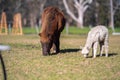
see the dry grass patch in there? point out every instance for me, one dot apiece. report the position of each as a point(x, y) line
point(26, 62)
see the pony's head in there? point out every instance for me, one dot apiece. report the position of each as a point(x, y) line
point(46, 43)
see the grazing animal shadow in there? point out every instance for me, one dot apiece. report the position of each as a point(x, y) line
point(109, 55)
point(63, 51)
point(69, 50)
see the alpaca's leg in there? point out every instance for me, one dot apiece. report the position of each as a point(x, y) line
point(92, 51)
point(95, 49)
point(106, 46)
point(106, 50)
point(101, 48)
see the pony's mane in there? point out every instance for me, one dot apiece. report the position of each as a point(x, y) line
point(48, 15)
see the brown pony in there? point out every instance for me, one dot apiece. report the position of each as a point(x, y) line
point(53, 22)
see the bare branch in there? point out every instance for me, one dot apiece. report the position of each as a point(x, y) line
point(81, 6)
point(42, 5)
point(90, 1)
point(117, 7)
point(81, 1)
point(18, 5)
point(76, 2)
point(86, 2)
point(68, 10)
point(85, 8)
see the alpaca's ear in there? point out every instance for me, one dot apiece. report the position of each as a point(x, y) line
point(39, 34)
point(87, 48)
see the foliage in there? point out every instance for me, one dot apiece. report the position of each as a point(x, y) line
point(117, 19)
point(31, 11)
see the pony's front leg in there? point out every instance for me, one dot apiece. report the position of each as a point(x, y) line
point(57, 44)
point(53, 48)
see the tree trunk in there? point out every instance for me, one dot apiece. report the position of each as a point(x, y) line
point(67, 28)
point(32, 21)
point(80, 20)
point(111, 16)
point(80, 25)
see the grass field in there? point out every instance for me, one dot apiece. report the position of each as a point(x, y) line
point(71, 30)
point(25, 61)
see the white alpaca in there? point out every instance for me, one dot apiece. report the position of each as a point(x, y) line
point(98, 34)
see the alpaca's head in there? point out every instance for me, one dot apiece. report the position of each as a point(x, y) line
point(85, 51)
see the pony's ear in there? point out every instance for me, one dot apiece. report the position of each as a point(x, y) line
point(39, 34)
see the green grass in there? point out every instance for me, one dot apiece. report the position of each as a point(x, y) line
point(76, 30)
point(71, 30)
point(117, 29)
point(28, 30)
point(25, 60)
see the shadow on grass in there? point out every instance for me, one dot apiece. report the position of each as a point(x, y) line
point(63, 51)
point(109, 55)
point(69, 50)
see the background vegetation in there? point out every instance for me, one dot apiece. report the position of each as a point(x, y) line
point(97, 13)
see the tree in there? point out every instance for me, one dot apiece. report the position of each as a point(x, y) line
point(32, 11)
point(81, 6)
point(111, 15)
point(112, 12)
